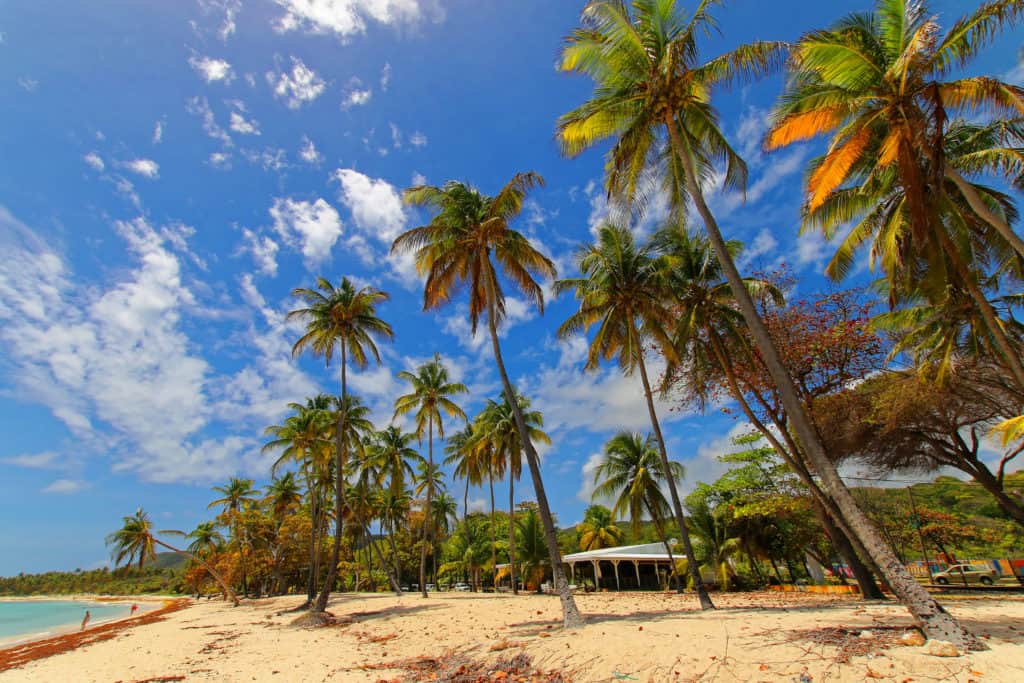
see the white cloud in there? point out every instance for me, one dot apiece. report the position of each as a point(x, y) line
point(28, 84)
point(264, 251)
point(44, 460)
point(385, 77)
point(158, 132)
point(517, 311)
point(229, 9)
point(309, 153)
point(347, 18)
point(212, 70)
point(199, 106)
point(270, 158)
point(586, 490)
point(418, 139)
point(396, 136)
point(704, 466)
point(763, 244)
point(65, 486)
point(313, 227)
point(375, 204)
point(244, 126)
point(355, 95)
point(94, 160)
point(297, 87)
point(143, 167)
point(220, 160)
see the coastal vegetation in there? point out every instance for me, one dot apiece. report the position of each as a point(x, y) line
point(906, 377)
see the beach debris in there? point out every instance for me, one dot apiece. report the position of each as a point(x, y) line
point(459, 667)
point(848, 642)
point(912, 639)
point(941, 648)
point(623, 677)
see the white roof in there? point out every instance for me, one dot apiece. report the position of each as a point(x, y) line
point(647, 551)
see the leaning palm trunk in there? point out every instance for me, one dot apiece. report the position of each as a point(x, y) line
point(392, 577)
point(845, 543)
point(680, 588)
point(494, 538)
point(677, 507)
point(340, 447)
point(228, 593)
point(570, 613)
point(934, 620)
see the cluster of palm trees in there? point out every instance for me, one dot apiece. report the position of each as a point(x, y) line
point(909, 149)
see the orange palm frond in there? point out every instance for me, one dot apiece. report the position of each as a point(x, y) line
point(836, 166)
point(803, 126)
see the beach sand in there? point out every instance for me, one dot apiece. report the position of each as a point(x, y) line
point(628, 636)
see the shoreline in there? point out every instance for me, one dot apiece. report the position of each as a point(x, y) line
point(20, 650)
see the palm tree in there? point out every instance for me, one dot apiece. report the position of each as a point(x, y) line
point(876, 80)
point(135, 542)
point(653, 97)
point(598, 529)
point(631, 472)
point(713, 529)
point(621, 291)
point(876, 83)
point(282, 496)
point(238, 495)
point(530, 533)
point(342, 318)
point(467, 234)
point(497, 425)
point(394, 456)
point(429, 398)
point(467, 466)
point(206, 539)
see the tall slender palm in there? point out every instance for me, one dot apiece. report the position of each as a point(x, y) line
point(205, 539)
point(621, 291)
point(430, 397)
point(136, 542)
point(460, 453)
point(530, 534)
point(395, 457)
point(466, 236)
point(341, 318)
point(236, 497)
point(632, 472)
point(878, 83)
point(497, 425)
point(283, 496)
point(653, 97)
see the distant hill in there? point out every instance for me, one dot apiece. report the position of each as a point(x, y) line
point(170, 560)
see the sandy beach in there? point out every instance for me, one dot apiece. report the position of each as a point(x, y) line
point(644, 637)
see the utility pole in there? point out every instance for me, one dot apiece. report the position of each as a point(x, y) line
point(916, 523)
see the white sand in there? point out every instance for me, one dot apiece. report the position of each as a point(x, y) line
point(649, 637)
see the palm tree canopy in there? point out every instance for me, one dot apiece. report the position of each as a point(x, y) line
point(496, 435)
point(237, 495)
point(393, 457)
point(282, 494)
point(645, 62)
point(469, 228)
point(430, 397)
point(206, 538)
point(133, 541)
point(598, 529)
point(343, 314)
point(631, 473)
point(876, 82)
point(621, 291)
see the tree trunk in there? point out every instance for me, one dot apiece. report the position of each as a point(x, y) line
point(339, 492)
point(933, 619)
point(494, 535)
point(824, 509)
point(570, 613)
point(512, 527)
point(228, 593)
point(465, 502)
point(680, 587)
point(988, 481)
point(428, 513)
point(978, 205)
point(677, 507)
point(392, 578)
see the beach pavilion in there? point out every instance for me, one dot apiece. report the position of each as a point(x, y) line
point(624, 567)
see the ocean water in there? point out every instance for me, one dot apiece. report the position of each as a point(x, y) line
point(21, 619)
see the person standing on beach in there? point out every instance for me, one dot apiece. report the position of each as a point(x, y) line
point(85, 620)
point(134, 608)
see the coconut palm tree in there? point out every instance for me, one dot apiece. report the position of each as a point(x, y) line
point(206, 539)
point(497, 425)
point(462, 456)
point(530, 537)
point(283, 495)
point(652, 96)
point(429, 399)
point(467, 236)
point(632, 473)
point(878, 82)
point(622, 293)
point(135, 542)
point(598, 529)
point(237, 496)
point(394, 457)
point(339, 319)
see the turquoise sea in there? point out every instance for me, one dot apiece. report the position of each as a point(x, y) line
point(22, 619)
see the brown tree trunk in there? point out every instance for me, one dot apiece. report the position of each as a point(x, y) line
point(428, 513)
point(933, 619)
point(339, 494)
point(228, 593)
point(512, 528)
point(494, 536)
point(677, 507)
point(571, 617)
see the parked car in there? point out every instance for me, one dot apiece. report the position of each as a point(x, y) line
point(462, 587)
point(973, 573)
point(431, 587)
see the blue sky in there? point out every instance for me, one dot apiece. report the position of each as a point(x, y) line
point(172, 170)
